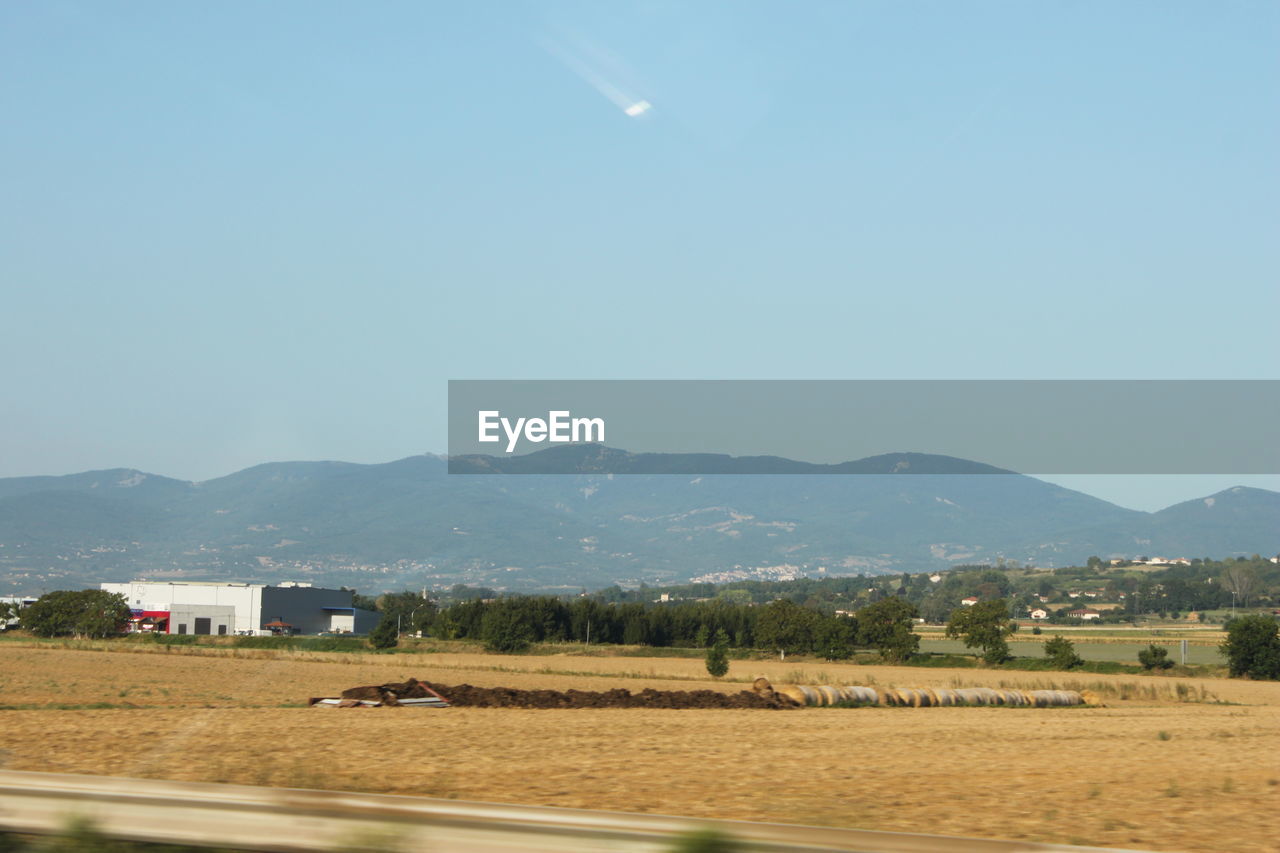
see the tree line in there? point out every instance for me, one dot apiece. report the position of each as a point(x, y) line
point(514, 623)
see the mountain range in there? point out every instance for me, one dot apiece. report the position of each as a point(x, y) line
point(619, 518)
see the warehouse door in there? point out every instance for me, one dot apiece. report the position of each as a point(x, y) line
point(204, 625)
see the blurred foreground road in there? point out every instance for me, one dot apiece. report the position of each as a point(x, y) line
point(287, 819)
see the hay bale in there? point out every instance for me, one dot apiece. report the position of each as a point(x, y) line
point(978, 695)
point(828, 695)
point(800, 694)
point(1093, 700)
point(864, 694)
point(762, 686)
point(1056, 698)
point(842, 694)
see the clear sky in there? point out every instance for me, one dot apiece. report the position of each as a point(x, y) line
point(239, 232)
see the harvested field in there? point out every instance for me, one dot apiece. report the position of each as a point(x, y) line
point(1146, 772)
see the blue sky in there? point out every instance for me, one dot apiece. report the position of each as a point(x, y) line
point(241, 232)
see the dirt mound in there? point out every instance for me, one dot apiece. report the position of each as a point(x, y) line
point(507, 697)
point(389, 694)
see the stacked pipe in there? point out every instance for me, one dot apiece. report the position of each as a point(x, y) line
point(927, 697)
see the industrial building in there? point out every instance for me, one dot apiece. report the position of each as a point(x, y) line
point(190, 607)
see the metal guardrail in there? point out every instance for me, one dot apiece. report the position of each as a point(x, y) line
point(288, 819)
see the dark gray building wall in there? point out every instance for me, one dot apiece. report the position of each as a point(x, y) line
point(302, 606)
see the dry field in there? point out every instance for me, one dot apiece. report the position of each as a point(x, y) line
point(1147, 772)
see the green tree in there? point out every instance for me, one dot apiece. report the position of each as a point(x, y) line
point(886, 627)
point(785, 626)
point(1252, 647)
point(1154, 657)
point(81, 613)
point(1240, 579)
point(1062, 653)
point(385, 635)
point(504, 629)
point(833, 637)
point(718, 655)
point(984, 625)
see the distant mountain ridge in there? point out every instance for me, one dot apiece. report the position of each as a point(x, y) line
point(409, 523)
point(594, 458)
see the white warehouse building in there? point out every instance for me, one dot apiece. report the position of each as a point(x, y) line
point(192, 607)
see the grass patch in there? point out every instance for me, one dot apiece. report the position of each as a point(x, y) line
point(304, 644)
point(941, 660)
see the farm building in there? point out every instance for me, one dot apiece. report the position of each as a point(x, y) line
point(21, 601)
point(241, 608)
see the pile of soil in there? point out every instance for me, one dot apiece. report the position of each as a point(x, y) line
point(389, 694)
point(507, 697)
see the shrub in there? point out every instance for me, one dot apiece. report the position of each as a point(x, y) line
point(705, 841)
point(1062, 653)
point(384, 635)
point(1154, 657)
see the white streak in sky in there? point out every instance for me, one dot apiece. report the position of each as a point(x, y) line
point(594, 75)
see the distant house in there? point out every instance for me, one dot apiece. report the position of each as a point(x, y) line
point(1084, 613)
point(935, 577)
point(969, 601)
point(1039, 613)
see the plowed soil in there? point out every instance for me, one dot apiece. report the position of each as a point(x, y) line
point(465, 695)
